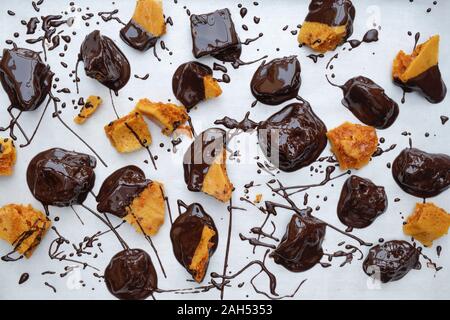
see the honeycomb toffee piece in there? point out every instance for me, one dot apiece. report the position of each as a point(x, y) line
point(193, 82)
point(214, 34)
point(277, 81)
point(57, 177)
point(204, 165)
point(130, 275)
point(419, 71)
point(391, 260)
point(8, 156)
point(104, 61)
point(353, 144)
point(129, 133)
point(91, 105)
point(169, 116)
point(26, 79)
point(422, 174)
point(23, 227)
point(194, 240)
point(361, 202)
point(127, 194)
point(427, 223)
point(328, 24)
point(368, 102)
point(146, 25)
point(293, 137)
point(300, 248)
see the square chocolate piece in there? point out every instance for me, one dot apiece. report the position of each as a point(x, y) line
point(213, 33)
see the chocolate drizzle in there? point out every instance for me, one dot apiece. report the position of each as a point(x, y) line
point(361, 202)
point(200, 155)
point(104, 61)
point(119, 190)
point(293, 137)
point(186, 233)
point(277, 81)
point(130, 275)
point(368, 102)
point(245, 124)
point(391, 260)
point(61, 178)
point(422, 174)
point(187, 83)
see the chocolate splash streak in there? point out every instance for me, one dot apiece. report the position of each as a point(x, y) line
point(227, 250)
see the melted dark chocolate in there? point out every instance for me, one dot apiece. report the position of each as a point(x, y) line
point(301, 246)
point(26, 79)
point(104, 61)
point(361, 202)
point(422, 174)
point(61, 178)
point(136, 37)
point(368, 102)
point(119, 190)
point(130, 275)
point(391, 260)
point(429, 84)
point(277, 81)
point(200, 155)
point(187, 83)
point(298, 135)
point(186, 233)
point(214, 34)
point(333, 13)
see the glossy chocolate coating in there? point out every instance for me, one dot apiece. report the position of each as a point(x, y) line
point(119, 190)
point(130, 275)
point(422, 174)
point(368, 102)
point(136, 37)
point(214, 34)
point(333, 13)
point(186, 233)
point(200, 155)
point(391, 260)
point(104, 61)
point(301, 136)
point(62, 178)
point(26, 79)
point(277, 81)
point(187, 83)
point(429, 84)
point(301, 246)
point(361, 202)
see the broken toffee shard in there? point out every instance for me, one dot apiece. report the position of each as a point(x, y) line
point(104, 61)
point(194, 240)
point(277, 81)
point(293, 137)
point(420, 173)
point(57, 177)
point(26, 79)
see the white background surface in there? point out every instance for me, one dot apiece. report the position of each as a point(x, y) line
point(416, 115)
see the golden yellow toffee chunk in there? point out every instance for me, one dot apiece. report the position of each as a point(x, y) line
point(353, 144)
point(424, 56)
point(216, 182)
point(149, 15)
point(201, 256)
point(7, 156)
point(129, 133)
point(212, 88)
point(91, 105)
point(23, 227)
point(167, 115)
point(321, 37)
point(148, 208)
point(427, 223)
